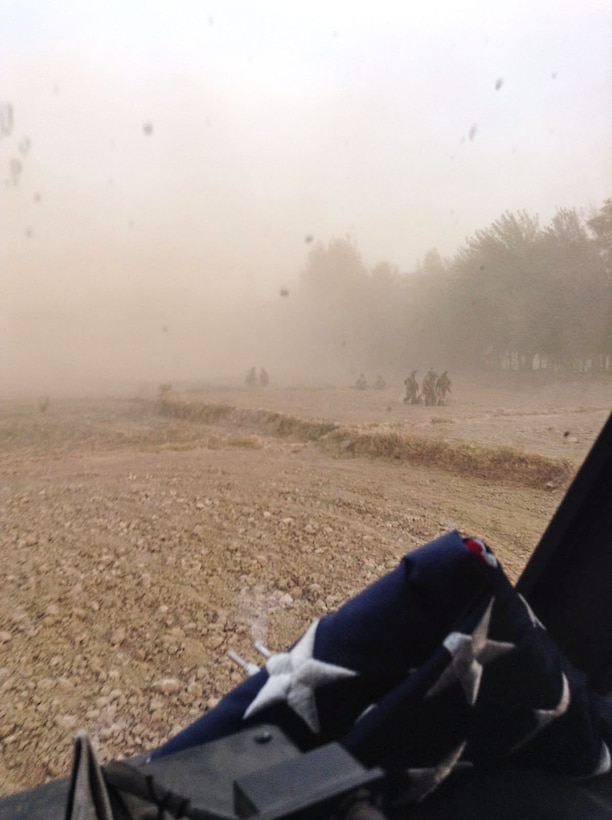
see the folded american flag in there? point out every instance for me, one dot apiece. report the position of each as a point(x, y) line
point(438, 667)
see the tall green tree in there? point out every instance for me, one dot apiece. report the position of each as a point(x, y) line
point(494, 279)
point(570, 313)
point(516, 292)
point(332, 288)
point(601, 226)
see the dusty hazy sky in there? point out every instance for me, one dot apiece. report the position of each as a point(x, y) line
point(190, 146)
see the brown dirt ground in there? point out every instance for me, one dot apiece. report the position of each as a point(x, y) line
point(139, 547)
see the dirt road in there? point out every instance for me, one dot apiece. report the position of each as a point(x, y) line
point(138, 548)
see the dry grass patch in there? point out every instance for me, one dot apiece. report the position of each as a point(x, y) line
point(176, 406)
point(500, 464)
point(245, 442)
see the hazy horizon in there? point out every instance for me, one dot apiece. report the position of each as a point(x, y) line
point(173, 159)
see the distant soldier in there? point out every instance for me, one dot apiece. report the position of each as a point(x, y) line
point(412, 389)
point(165, 391)
point(251, 378)
point(361, 383)
point(43, 404)
point(264, 378)
point(429, 388)
point(443, 386)
point(380, 383)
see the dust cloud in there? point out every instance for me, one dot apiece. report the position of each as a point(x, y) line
point(80, 330)
point(132, 342)
point(129, 268)
point(165, 173)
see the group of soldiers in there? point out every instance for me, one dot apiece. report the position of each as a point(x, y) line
point(432, 392)
point(362, 384)
point(252, 379)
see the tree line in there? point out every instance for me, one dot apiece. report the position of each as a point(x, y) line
point(517, 295)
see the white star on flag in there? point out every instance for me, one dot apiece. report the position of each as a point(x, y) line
point(469, 654)
point(532, 616)
point(293, 677)
point(545, 716)
point(605, 761)
point(424, 781)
